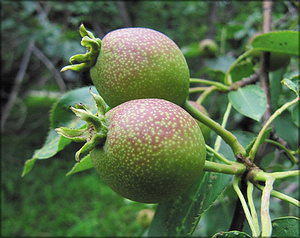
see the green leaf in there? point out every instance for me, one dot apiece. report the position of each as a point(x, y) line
point(214, 74)
point(264, 137)
point(84, 164)
point(180, 216)
point(221, 63)
point(191, 50)
point(249, 101)
point(54, 143)
point(244, 137)
point(286, 42)
point(242, 70)
point(231, 234)
point(61, 115)
point(286, 129)
point(276, 86)
point(286, 227)
point(292, 84)
point(28, 166)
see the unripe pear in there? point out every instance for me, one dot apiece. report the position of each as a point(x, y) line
point(154, 150)
point(136, 63)
point(208, 48)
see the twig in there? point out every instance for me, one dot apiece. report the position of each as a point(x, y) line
point(197, 89)
point(205, 93)
point(265, 58)
point(259, 137)
point(244, 206)
point(245, 81)
point(266, 225)
point(17, 84)
point(291, 11)
point(218, 155)
point(263, 72)
point(42, 57)
point(250, 188)
point(224, 122)
point(288, 153)
point(220, 86)
point(281, 196)
point(212, 19)
point(124, 13)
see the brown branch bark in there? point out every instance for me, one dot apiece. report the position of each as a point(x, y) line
point(124, 13)
point(17, 84)
point(264, 74)
point(42, 57)
point(245, 81)
point(265, 58)
point(212, 20)
point(239, 216)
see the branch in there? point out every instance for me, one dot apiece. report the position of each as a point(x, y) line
point(244, 205)
point(227, 136)
point(224, 122)
point(234, 168)
point(266, 225)
point(42, 57)
point(124, 13)
point(206, 93)
point(197, 89)
point(252, 206)
point(220, 86)
point(238, 219)
point(218, 155)
point(288, 153)
point(259, 138)
point(17, 84)
point(245, 81)
point(213, 17)
point(265, 58)
point(281, 196)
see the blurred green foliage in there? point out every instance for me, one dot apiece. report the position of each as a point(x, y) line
point(46, 203)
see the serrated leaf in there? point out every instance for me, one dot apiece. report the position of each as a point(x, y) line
point(180, 216)
point(286, 227)
point(61, 115)
point(292, 84)
point(54, 143)
point(278, 41)
point(249, 101)
point(84, 164)
point(231, 234)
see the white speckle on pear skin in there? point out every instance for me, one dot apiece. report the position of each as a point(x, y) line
point(151, 142)
point(131, 59)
